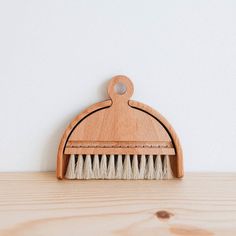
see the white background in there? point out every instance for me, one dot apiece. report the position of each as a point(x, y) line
point(56, 58)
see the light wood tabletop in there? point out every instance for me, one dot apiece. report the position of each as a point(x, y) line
point(39, 204)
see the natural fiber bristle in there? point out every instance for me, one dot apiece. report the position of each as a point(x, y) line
point(119, 167)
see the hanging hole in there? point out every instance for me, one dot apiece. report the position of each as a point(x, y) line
point(120, 88)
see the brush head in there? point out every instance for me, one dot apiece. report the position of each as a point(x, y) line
point(119, 167)
point(122, 132)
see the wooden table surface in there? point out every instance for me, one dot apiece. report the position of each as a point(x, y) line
point(39, 204)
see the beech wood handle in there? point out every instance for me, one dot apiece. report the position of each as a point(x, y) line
point(114, 95)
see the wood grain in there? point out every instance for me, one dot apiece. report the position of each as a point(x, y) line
point(39, 204)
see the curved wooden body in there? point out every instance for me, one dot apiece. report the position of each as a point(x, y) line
point(120, 126)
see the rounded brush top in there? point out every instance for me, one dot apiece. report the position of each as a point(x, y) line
point(120, 88)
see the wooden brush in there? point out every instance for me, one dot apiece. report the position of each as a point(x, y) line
point(119, 139)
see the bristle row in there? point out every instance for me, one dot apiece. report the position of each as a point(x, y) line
point(119, 167)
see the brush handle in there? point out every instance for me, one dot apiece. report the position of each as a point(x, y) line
point(120, 97)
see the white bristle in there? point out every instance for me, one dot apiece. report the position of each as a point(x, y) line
point(149, 168)
point(70, 172)
point(127, 173)
point(79, 167)
point(111, 168)
point(119, 167)
point(142, 167)
point(88, 172)
point(158, 167)
point(103, 167)
point(135, 169)
point(167, 172)
point(114, 167)
point(96, 168)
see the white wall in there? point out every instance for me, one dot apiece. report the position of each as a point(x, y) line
point(56, 58)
